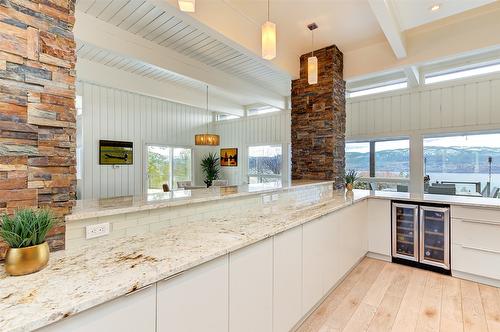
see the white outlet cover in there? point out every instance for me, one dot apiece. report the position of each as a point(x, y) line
point(266, 199)
point(96, 230)
point(275, 197)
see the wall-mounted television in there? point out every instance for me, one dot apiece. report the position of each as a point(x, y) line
point(116, 153)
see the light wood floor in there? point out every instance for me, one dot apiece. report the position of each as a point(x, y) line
point(381, 296)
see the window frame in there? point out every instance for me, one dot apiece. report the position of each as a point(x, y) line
point(259, 176)
point(171, 172)
point(372, 164)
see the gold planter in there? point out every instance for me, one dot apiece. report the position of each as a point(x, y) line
point(21, 261)
point(349, 186)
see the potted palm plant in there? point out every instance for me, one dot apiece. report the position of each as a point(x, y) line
point(350, 177)
point(25, 234)
point(210, 167)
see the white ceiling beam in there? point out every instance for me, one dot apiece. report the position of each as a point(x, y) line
point(107, 36)
point(89, 71)
point(384, 13)
point(413, 75)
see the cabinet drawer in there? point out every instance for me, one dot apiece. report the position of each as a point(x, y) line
point(460, 212)
point(476, 260)
point(477, 233)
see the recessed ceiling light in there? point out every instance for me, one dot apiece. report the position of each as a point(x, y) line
point(435, 7)
point(187, 5)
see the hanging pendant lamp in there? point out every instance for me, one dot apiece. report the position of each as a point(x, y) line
point(187, 5)
point(312, 61)
point(207, 139)
point(268, 38)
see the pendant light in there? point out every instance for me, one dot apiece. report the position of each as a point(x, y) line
point(187, 5)
point(312, 61)
point(207, 139)
point(268, 38)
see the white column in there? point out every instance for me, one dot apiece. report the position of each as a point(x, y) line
point(416, 164)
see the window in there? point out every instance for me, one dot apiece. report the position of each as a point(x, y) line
point(357, 157)
point(392, 159)
point(166, 165)
point(262, 110)
point(224, 117)
point(264, 163)
point(379, 89)
point(442, 77)
point(467, 165)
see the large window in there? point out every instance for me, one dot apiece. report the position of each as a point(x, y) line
point(167, 165)
point(264, 163)
point(357, 157)
point(387, 161)
point(467, 165)
point(392, 159)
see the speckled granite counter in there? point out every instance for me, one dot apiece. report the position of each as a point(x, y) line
point(85, 209)
point(480, 202)
point(69, 284)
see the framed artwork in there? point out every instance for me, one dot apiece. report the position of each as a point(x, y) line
point(116, 153)
point(229, 157)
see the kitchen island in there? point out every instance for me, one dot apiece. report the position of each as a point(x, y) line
point(281, 248)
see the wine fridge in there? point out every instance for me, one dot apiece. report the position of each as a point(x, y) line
point(421, 235)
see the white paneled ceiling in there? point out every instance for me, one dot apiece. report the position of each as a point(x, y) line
point(169, 29)
point(108, 58)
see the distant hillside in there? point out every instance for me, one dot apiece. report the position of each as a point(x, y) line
point(438, 160)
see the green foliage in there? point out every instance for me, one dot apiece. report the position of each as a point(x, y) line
point(26, 228)
point(210, 167)
point(351, 176)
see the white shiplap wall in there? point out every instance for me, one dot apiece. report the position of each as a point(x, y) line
point(451, 107)
point(273, 128)
point(119, 115)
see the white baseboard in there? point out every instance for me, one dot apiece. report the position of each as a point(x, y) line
point(476, 278)
point(381, 257)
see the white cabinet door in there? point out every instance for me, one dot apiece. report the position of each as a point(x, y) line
point(251, 288)
point(313, 262)
point(196, 300)
point(287, 304)
point(379, 226)
point(130, 313)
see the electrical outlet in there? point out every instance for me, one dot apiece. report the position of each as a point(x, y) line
point(266, 199)
point(275, 197)
point(97, 230)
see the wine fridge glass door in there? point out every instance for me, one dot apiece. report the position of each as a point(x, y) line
point(434, 236)
point(405, 231)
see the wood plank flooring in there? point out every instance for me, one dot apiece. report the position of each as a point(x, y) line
point(381, 296)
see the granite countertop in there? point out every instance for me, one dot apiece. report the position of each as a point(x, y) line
point(69, 283)
point(93, 208)
point(470, 201)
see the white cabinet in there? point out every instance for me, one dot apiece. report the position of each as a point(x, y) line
point(251, 288)
point(475, 235)
point(378, 218)
point(196, 300)
point(287, 293)
point(313, 262)
point(129, 313)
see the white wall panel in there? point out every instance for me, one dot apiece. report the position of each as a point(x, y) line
point(241, 133)
point(471, 105)
point(119, 115)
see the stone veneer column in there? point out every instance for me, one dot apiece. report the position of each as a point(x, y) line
point(318, 120)
point(37, 109)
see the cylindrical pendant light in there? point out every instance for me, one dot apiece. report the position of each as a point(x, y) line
point(268, 38)
point(312, 61)
point(207, 139)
